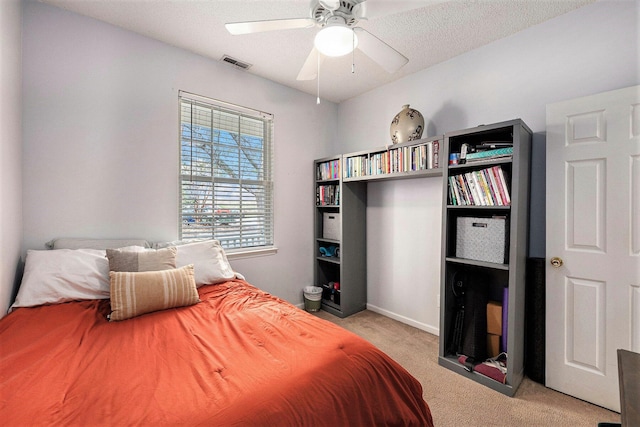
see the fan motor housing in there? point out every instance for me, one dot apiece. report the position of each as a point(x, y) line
point(345, 11)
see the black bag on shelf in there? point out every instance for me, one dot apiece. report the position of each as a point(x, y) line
point(457, 286)
point(474, 327)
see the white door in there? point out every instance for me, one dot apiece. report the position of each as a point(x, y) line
point(593, 231)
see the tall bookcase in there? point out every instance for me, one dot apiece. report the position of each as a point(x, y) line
point(340, 229)
point(500, 202)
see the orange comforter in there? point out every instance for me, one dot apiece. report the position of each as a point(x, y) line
point(240, 357)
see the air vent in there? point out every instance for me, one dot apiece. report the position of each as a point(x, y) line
point(236, 62)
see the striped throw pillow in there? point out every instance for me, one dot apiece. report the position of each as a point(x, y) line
point(136, 293)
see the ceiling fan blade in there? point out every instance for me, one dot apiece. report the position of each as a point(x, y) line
point(386, 56)
point(309, 70)
point(249, 27)
point(381, 8)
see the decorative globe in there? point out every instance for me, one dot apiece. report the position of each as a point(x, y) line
point(407, 125)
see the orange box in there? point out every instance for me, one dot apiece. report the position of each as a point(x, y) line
point(493, 345)
point(494, 318)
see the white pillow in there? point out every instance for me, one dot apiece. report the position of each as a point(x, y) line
point(79, 243)
point(209, 261)
point(162, 245)
point(60, 275)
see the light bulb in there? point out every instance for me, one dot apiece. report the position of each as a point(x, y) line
point(335, 40)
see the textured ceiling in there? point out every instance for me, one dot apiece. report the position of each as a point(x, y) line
point(425, 31)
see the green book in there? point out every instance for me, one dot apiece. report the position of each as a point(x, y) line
point(490, 154)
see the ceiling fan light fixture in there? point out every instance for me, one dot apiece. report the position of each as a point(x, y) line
point(335, 40)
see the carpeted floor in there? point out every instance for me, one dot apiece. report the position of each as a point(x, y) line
point(458, 401)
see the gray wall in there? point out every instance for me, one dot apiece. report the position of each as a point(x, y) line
point(590, 50)
point(10, 147)
point(101, 140)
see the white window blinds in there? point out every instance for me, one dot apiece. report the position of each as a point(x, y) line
point(225, 173)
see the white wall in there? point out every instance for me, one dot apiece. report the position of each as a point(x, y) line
point(10, 148)
point(101, 140)
point(587, 51)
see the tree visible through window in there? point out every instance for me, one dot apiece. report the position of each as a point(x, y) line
point(225, 173)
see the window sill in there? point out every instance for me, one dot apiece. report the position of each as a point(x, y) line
point(249, 253)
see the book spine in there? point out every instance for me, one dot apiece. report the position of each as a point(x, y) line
point(473, 184)
point(387, 162)
point(436, 154)
point(472, 200)
point(464, 192)
point(414, 158)
point(494, 186)
point(492, 193)
point(503, 183)
point(395, 160)
point(485, 188)
point(407, 159)
point(470, 188)
point(452, 194)
point(459, 194)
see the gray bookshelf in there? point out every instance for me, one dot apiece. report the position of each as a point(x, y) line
point(414, 159)
point(489, 278)
point(350, 267)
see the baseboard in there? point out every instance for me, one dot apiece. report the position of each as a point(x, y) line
point(422, 326)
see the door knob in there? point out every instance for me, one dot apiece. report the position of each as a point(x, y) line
point(556, 262)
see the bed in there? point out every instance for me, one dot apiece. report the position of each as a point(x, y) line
point(238, 356)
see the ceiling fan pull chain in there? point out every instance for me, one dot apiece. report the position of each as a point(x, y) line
point(353, 52)
point(318, 79)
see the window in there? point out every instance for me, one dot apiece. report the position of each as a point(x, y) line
point(225, 173)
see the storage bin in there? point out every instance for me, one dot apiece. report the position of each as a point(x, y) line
point(481, 239)
point(331, 225)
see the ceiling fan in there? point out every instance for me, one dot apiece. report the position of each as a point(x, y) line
point(338, 35)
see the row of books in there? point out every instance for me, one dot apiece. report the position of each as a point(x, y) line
point(413, 158)
point(401, 159)
point(486, 187)
point(328, 170)
point(357, 166)
point(327, 195)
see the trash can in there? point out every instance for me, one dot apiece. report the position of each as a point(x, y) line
point(312, 298)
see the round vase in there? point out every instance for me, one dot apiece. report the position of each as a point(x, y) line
point(407, 125)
